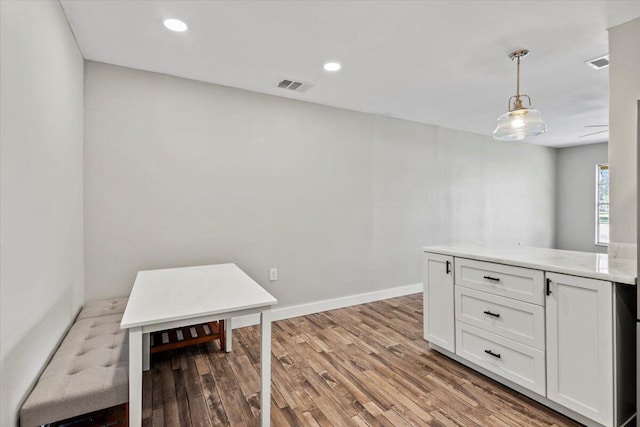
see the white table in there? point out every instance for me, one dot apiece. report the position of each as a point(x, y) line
point(178, 297)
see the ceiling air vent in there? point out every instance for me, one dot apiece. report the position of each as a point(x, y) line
point(293, 85)
point(599, 63)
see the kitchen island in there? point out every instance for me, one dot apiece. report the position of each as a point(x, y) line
point(555, 325)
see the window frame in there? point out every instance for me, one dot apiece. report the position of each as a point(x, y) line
point(599, 167)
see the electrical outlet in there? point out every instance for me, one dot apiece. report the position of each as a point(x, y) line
point(273, 274)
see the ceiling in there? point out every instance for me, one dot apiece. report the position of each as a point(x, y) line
point(437, 62)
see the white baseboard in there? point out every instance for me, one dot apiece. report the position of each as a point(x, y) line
point(280, 313)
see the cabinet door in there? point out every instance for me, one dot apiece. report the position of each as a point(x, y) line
point(439, 319)
point(580, 345)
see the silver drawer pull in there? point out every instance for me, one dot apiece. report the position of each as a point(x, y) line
point(488, 313)
point(491, 353)
point(495, 279)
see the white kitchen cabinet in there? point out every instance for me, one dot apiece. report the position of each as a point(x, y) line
point(571, 347)
point(439, 319)
point(579, 330)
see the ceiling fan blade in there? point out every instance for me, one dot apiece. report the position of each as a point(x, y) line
point(594, 133)
point(597, 126)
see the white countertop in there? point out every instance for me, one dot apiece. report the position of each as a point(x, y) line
point(182, 293)
point(585, 264)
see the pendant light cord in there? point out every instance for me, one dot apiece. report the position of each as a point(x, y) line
point(518, 80)
point(517, 102)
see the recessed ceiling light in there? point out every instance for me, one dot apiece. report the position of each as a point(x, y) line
point(175, 25)
point(332, 66)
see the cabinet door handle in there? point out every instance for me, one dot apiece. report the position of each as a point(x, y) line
point(448, 267)
point(491, 353)
point(548, 287)
point(488, 313)
point(495, 279)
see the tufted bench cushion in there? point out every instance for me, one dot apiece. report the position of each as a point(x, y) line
point(89, 372)
point(103, 308)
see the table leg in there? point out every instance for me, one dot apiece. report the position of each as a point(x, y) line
point(135, 377)
point(265, 368)
point(227, 334)
point(146, 352)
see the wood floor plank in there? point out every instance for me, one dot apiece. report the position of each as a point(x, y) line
point(248, 378)
point(364, 365)
point(199, 413)
point(147, 404)
point(169, 400)
point(215, 409)
point(157, 419)
point(184, 413)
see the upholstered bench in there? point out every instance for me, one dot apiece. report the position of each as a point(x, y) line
point(89, 372)
point(103, 308)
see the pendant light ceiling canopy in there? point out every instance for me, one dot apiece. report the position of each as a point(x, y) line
point(519, 122)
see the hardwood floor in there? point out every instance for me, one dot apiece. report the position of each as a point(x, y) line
point(366, 365)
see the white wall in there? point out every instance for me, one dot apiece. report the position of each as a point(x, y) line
point(576, 197)
point(41, 226)
point(624, 92)
point(179, 172)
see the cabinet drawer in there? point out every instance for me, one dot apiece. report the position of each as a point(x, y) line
point(518, 363)
point(523, 284)
point(520, 321)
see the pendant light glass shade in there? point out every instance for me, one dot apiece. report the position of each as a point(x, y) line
point(519, 122)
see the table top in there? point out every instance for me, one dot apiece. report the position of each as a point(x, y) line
point(585, 264)
point(173, 294)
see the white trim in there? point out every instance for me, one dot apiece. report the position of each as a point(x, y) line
point(280, 313)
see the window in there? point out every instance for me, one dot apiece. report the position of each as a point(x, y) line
point(602, 204)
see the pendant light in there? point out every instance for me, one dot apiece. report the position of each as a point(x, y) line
point(519, 122)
